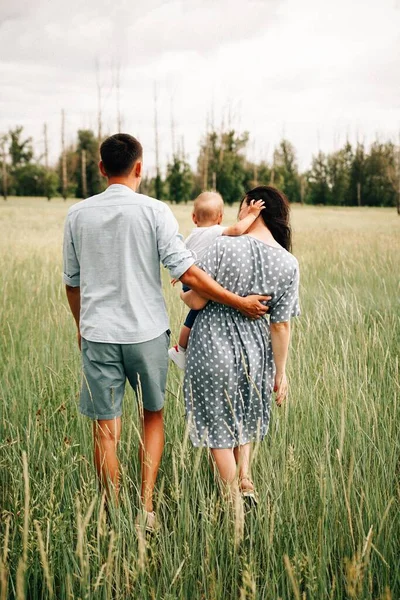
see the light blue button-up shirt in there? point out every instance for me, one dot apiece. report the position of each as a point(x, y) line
point(113, 245)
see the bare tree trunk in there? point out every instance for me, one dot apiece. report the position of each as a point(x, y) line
point(398, 173)
point(63, 158)
point(118, 90)
point(4, 169)
point(302, 190)
point(46, 161)
point(214, 180)
point(46, 147)
point(84, 177)
point(158, 176)
point(205, 179)
point(99, 104)
point(358, 193)
point(206, 158)
point(172, 129)
point(99, 117)
point(156, 129)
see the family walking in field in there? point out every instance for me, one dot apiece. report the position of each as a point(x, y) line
point(234, 357)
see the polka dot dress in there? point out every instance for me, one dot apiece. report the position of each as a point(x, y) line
point(229, 367)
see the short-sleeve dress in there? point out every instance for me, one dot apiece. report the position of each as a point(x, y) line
point(230, 370)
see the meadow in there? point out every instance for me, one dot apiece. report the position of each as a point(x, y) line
point(328, 522)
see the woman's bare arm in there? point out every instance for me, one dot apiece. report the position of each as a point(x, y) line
point(280, 338)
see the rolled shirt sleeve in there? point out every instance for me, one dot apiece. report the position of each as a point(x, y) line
point(72, 269)
point(174, 254)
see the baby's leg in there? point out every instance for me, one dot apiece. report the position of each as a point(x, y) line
point(185, 331)
point(184, 336)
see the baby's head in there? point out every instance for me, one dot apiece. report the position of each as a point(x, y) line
point(208, 209)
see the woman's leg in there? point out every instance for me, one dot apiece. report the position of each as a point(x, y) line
point(242, 456)
point(226, 465)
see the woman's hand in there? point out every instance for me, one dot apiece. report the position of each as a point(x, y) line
point(280, 387)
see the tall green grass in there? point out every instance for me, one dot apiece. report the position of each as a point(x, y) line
point(328, 523)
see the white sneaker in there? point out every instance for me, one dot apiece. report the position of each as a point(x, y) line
point(178, 356)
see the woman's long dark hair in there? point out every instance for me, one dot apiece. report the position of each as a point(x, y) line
point(275, 214)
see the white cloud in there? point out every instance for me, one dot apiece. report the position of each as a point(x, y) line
point(314, 71)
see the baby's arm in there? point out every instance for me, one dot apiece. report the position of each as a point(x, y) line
point(193, 300)
point(242, 226)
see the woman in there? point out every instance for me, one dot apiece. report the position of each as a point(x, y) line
point(235, 363)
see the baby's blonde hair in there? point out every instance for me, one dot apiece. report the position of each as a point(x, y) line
point(208, 206)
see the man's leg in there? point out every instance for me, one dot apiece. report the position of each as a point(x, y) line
point(102, 392)
point(106, 435)
point(150, 452)
point(146, 366)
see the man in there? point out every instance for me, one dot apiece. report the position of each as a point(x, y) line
point(113, 245)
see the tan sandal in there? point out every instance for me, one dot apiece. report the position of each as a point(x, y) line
point(147, 521)
point(249, 494)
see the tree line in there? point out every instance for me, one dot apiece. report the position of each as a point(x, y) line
point(352, 176)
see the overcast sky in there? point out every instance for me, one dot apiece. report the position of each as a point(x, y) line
point(311, 70)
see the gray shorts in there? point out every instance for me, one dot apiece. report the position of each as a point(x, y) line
point(106, 368)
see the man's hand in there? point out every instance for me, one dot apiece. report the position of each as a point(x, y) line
point(280, 387)
point(252, 307)
point(79, 340)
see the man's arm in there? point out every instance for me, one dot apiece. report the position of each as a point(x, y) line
point(72, 274)
point(242, 226)
point(179, 261)
point(74, 301)
point(205, 286)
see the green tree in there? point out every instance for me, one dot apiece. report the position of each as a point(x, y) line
point(158, 186)
point(73, 165)
point(286, 171)
point(357, 176)
point(257, 174)
point(95, 183)
point(222, 164)
point(339, 175)
point(318, 191)
point(32, 179)
point(380, 176)
point(21, 151)
point(179, 180)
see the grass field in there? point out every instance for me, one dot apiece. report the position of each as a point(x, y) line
point(328, 524)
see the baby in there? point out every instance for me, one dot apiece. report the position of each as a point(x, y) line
point(208, 211)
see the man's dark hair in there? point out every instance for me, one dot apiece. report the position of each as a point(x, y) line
point(119, 153)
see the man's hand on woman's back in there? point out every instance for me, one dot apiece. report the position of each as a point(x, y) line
point(252, 306)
